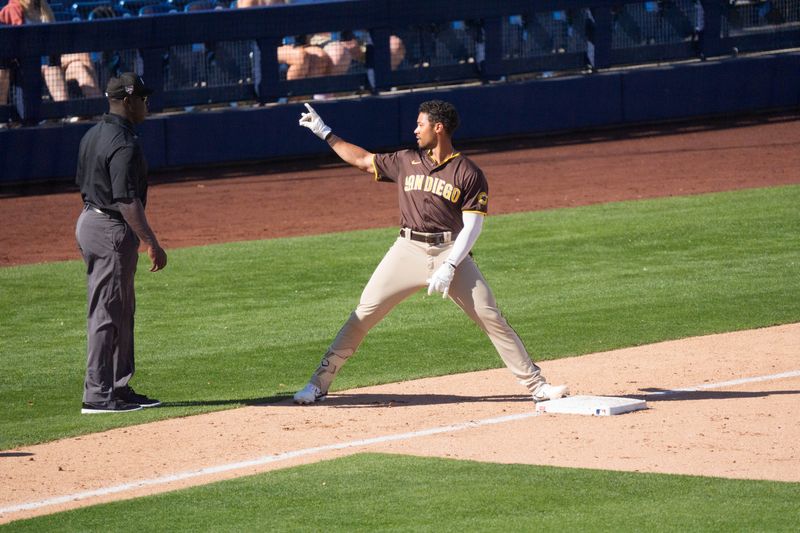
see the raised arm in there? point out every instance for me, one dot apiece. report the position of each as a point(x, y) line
point(350, 153)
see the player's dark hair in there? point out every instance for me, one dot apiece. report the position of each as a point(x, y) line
point(440, 111)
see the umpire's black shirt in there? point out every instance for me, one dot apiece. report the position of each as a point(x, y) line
point(111, 165)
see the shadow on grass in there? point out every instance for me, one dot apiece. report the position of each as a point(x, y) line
point(359, 400)
point(665, 395)
point(232, 402)
point(409, 400)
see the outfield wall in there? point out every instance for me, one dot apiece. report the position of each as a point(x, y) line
point(736, 85)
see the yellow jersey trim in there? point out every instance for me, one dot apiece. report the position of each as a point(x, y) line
point(438, 164)
point(376, 177)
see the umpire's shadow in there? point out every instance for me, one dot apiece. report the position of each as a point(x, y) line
point(264, 400)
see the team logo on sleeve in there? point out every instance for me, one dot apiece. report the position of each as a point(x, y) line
point(483, 199)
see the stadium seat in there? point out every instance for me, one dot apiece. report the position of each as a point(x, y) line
point(188, 64)
point(82, 8)
point(106, 12)
point(201, 5)
point(64, 15)
point(157, 9)
point(178, 4)
point(133, 6)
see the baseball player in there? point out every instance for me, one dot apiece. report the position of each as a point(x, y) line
point(443, 199)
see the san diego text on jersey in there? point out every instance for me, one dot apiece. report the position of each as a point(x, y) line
point(437, 186)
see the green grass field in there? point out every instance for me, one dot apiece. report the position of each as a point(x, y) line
point(242, 323)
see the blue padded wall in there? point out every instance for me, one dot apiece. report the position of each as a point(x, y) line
point(724, 87)
point(384, 122)
point(263, 133)
point(51, 152)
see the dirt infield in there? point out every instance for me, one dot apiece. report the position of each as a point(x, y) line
point(745, 429)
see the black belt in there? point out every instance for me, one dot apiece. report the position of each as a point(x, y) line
point(428, 238)
point(116, 215)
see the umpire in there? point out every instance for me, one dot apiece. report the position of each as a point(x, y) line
point(112, 176)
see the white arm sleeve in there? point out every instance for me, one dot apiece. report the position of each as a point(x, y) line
point(473, 224)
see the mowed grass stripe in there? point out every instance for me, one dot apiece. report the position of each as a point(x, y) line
point(375, 492)
point(241, 323)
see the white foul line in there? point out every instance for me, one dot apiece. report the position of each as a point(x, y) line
point(732, 383)
point(267, 459)
point(260, 461)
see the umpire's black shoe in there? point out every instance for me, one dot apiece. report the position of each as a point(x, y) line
point(127, 394)
point(114, 406)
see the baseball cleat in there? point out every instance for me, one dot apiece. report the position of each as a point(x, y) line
point(550, 392)
point(309, 395)
point(114, 406)
point(128, 395)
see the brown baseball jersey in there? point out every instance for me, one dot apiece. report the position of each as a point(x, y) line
point(433, 195)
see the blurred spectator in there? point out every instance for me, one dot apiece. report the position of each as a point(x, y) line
point(5, 82)
point(341, 51)
point(323, 54)
point(345, 48)
point(302, 60)
point(397, 49)
point(61, 72)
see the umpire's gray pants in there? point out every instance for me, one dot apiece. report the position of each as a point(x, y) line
point(110, 250)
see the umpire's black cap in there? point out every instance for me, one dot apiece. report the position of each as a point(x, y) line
point(127, 84)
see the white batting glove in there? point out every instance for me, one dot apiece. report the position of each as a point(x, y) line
point(312, 121)
point(441, 279)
